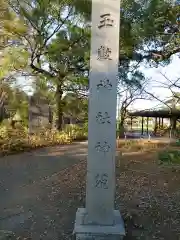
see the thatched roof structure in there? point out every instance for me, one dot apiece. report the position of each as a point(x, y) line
point(156, 113)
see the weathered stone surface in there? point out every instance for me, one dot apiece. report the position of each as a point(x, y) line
point(99, 232)
point(99, 220)
point(40, 114)
point(97, 237)
point(102, 111)
point(5, 235)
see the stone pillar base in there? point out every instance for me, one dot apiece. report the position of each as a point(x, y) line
point(98, 232)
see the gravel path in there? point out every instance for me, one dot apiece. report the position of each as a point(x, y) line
point(25, 180)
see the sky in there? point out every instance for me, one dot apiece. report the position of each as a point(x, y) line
point(171, 71)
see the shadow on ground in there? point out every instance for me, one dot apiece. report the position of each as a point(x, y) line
point(26, 179)
point(147, 194)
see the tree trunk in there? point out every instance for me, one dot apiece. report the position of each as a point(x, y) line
point(174, 122)
point(173, 125)
point(59, 101)
point(155, 127)
point(121, 124)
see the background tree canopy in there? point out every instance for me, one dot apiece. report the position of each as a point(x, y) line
point(50, 41)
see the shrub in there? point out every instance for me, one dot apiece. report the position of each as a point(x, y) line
point(169, 156)
point(76, 132)
point(177, 143)
point(16, 140)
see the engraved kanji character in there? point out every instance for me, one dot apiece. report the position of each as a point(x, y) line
point(104, 53)
point(101, 181)
point(106, 21)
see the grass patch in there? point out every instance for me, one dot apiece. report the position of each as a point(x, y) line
point(169, 156)
point(140, 145)
point(77, 133)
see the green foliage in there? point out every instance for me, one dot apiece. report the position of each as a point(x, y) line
point(169, 157)
point(14, 56)
point(57, 39)
point(75, 107)
point(11, 25)
point(130, 77)
point(72, 45)
point(55, 34)
point(12, 60)
point(143, 25)
point(17, 140)
point(178, 141)
point(18, 102)
point(43, 88)
point(77, 132)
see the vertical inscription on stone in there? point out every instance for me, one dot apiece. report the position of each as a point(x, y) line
point(98, 220)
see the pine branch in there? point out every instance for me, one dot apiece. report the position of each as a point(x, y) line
point(42, 71)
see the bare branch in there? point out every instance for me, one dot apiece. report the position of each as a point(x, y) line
point(42, 71)
point(151, 94)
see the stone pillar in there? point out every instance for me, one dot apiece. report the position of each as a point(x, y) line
point(98, 220)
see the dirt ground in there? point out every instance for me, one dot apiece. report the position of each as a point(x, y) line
point(147, 194)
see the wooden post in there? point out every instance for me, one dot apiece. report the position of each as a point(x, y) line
point(155, 127)
point(162, 124)
point(147, 125)
point(131, 123)
point(159, 122)
point(142, 129)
